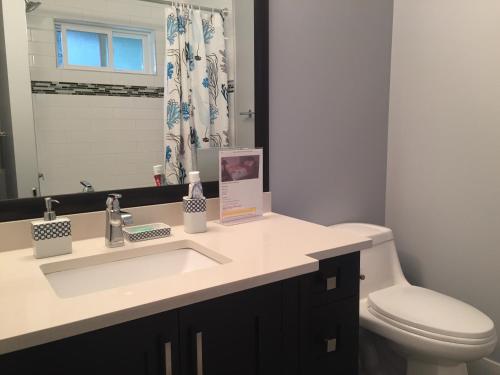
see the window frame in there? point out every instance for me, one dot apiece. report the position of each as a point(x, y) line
point(146, 35)
point(87, 29)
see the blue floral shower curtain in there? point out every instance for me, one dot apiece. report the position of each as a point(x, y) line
point(196, 95)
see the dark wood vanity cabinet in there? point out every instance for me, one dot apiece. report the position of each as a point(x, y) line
point(303, 326)
point(132, 348)
point(329, 317)
point(237, 334)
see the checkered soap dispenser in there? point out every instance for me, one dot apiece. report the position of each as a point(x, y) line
point(194, 206)
point(51, 236)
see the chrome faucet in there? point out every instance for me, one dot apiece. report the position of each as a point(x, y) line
point(116, 219)
point(87, 186)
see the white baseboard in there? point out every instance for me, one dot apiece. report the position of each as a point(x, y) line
point(484, 366)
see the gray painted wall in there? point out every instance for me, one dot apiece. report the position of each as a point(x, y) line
point(443, 188)
point(329, 92)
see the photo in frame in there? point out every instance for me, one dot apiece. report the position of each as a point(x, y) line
point(240, 185)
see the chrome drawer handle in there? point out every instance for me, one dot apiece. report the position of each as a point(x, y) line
point(199, 353)
point(331, 345)
point(168, 358)
point(331, 283)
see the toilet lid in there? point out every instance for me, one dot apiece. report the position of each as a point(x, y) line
point(431, 311)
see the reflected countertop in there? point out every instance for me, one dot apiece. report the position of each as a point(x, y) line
point(267, 250)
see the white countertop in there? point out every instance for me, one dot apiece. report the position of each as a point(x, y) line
point(271, 249)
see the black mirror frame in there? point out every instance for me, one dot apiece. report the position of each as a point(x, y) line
point(27, 208)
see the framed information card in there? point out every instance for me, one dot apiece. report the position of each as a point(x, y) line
point(240, 185)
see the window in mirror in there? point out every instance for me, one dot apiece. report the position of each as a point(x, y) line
point(59, 52)
point(132, 52)
point(87, 48)
point(107, 48)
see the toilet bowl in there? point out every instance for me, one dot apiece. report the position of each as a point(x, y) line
point(435, 333)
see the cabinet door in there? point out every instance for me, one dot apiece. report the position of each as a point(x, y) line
point(145, 346)
point(236, 334)
point(329, 318)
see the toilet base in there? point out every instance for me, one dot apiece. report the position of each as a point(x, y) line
point(414, 367)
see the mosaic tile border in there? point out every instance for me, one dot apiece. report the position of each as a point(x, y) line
point(95, 89)
point(100, 89)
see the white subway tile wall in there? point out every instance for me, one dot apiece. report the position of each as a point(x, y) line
point(133, 13)
point(42, 45)
point(112, 142)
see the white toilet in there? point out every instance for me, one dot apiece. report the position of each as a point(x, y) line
point(436, 334)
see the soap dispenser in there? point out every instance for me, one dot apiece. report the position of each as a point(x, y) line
point(51, 235)
point(194, 206)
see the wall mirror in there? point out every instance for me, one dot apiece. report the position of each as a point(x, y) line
point(98, 95)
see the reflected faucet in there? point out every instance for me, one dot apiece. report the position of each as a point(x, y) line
point(116, 219)
point(87, 186)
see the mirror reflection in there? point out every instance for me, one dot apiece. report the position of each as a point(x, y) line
point(122, 94)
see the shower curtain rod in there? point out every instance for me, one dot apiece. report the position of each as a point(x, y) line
point(224, 11)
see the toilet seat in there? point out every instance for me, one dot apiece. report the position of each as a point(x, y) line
point(431, 314)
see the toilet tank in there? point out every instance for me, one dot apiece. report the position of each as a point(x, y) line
point(379, 264)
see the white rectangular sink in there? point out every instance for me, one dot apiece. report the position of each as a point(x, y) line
point(126, 267)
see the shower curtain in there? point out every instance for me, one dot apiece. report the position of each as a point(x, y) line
point(196, 112)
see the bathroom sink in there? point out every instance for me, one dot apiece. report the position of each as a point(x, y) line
point(120, 268)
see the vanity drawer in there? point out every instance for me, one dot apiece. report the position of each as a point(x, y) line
point(337, 278)
point(330, 344)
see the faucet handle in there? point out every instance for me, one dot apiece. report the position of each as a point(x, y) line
point(127, 218)
point(112, 201)
point(87, 186)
